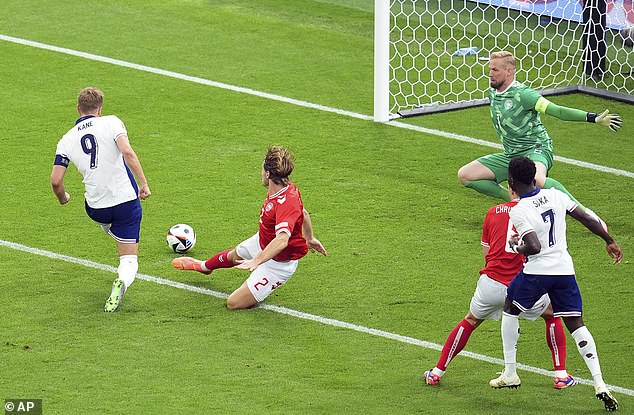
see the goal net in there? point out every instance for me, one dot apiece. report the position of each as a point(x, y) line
point(432, 55)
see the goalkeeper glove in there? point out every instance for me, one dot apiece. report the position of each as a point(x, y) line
point(612, 121)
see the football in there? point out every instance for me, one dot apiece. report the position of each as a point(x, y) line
point(181, 238)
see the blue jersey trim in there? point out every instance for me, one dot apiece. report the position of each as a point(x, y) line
point(84, 118)
point(131, 177)
point(61, 160)
point(529, 194)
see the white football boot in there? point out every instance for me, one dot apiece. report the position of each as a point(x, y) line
point(504, 381)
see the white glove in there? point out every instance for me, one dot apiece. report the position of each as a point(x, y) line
point(612, 121)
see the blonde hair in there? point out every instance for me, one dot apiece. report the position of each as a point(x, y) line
point(507, 58)
point(279, 162)
point(89, 100)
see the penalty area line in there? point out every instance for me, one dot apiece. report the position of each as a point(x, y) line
point(293, 101)
point(294, 313)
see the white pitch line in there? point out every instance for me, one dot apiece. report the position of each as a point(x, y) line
point(292, 101)
point(181, 76)
point(295, 313)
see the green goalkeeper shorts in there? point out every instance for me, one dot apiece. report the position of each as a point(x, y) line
point(498, 163)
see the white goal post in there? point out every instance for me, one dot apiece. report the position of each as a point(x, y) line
point(432, 55)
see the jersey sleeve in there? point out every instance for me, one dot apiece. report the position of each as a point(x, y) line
point(560, 112)
point(520, 221)
point(567, 202)
point(529, 98)
point(286, 216)
point(61, 156)
point(118, 128)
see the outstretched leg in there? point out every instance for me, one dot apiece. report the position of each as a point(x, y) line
point(480, 178)
point(224, 259)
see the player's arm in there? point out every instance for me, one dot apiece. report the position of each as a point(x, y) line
point(526, 233)
point(531, 245)
point(276, 246)
point(123, 143)
point(612, 121)
point(312, 242)
point(57, 181)
point(597, 228)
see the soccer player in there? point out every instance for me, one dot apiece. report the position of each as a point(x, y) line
point(515, 112)
point(99, 148)
point(501, 265)
point(271, 254)
point(540, 219)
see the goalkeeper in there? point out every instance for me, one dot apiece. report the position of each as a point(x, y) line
point(515, 111)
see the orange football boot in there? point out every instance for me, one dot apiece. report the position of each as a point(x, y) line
point(189, 264)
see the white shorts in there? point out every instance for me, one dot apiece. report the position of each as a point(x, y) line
point(269, 275)
point(488, 301)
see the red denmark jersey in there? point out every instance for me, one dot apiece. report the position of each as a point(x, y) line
point(284, 212)
point(502, 264)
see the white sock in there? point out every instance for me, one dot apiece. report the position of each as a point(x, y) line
point(588, 350)
point(561, 374)
point(510, 336)
point(438, 372)
point(128, 266)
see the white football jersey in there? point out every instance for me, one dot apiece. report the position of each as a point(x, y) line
point(544, 212)
point(91, 145)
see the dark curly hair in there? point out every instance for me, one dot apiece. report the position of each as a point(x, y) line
point(522, 170)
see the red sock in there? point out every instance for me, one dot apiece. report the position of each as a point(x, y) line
point(219, 260)
point(556, 339)
point(454, 344)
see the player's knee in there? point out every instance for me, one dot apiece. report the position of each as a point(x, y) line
point(511, 308)
point(233, 304)
point(573, 323)
point(463, 175)
point(548, 313)
point(241, 299)
point(540, 174)
point(471, 319)
point(540, 181)
point(233, 256)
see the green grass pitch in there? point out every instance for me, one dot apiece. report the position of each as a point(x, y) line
point(402, 234)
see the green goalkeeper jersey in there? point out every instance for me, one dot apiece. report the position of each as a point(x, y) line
point(516, 121)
